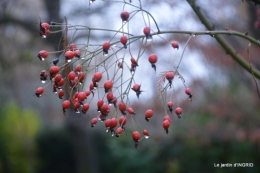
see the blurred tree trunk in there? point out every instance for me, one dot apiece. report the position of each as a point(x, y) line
point(83, 147)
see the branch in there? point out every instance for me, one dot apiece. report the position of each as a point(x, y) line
point(225, 45)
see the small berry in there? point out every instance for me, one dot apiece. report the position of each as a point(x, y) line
point(170, 105)
point(94, 122)
point(69, 55)
point(39, 91)
point(188, 92)
point(122, 120)
point(61, 94)
point(146, 134)
point(119, 130)
point(71, 75)
point(124, 16)
point(178, 112)
point(43, 54)
point(106, 47)
point(123, 40)
point(108, 85)
point(131, 111)
point(153, 59)
point(166, 124)
point(169, 76)
point(175, 45)
point(97, 77)
point(85, 108)
point(122, 108)
point(65, 105)
point(136, 137)
point(148, 114)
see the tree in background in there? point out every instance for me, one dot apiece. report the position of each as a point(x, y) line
point(233, 119)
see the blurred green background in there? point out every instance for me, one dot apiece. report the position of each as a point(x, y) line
point(220, 125)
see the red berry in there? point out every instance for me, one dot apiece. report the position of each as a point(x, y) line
point(73, 47)
point(107, 123)
point(100, 103)
point(108, 85)
point(97, 77)
point(175, 45)
point(82, 96)
point(104, 109)
point(81, 76)
point(147, 31)
point(78, 68)
point(136, 136)
point(57, 78)
point(170, 105)
point(148, 114)
point(134, 62)
point(113, 123)
point(39, 91)
point(46, 25)
point(153, 58)
point(61, 94)
point(131, 111)
point(122, 107)
point(123, 40)
point(76, 107)
point(166, 124)
point(122, 120)
point(167, 117)
point(110, 97)
point(119, 130)
point(169, 75)
point(146, 134)
point(54, 70)
point(61, 82)
point(124, 16)
point(85, 108)
point(87, 92)
point(69, 55)
point(106, 47)
point(71, 75)
point(94, 122)
point(136, 87)
point(43, 54)
point(178, 111)
point(66, 104)
point(77, 53)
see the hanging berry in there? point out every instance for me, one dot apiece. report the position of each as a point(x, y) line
point(188, 92)
point(147, 33)
point(65, 105)
point(43, 76)
point(85, 108)
point(123, 40)
point(136, 137)
point(170, 105)
point(108, 85)
point(131, 111)
point(175, 45)
point(61, 94)
point(153, 59)
point(148, 114)
point(39, 91)
point(124, 16)
point(178, 112)
point(119, 130)
point(106, 47)
point(122, 108)
point(169, 76)
point(166, 124)
point(94, 122)
point(42, 55)
point(146, 134)
point(137, 89)
point(69, 55)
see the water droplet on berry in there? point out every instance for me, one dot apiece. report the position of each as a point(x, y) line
point(43, 81)
point(77, 111)
point(146, 136)
point(42, 59)
point(105, 54)
point(177, 48)
point(149, 39)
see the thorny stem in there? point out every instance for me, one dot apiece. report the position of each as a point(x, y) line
point(223, 42)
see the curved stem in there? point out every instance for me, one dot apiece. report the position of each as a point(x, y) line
point(225, 45)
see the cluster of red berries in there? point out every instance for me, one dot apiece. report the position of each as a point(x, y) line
point(78, 96)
